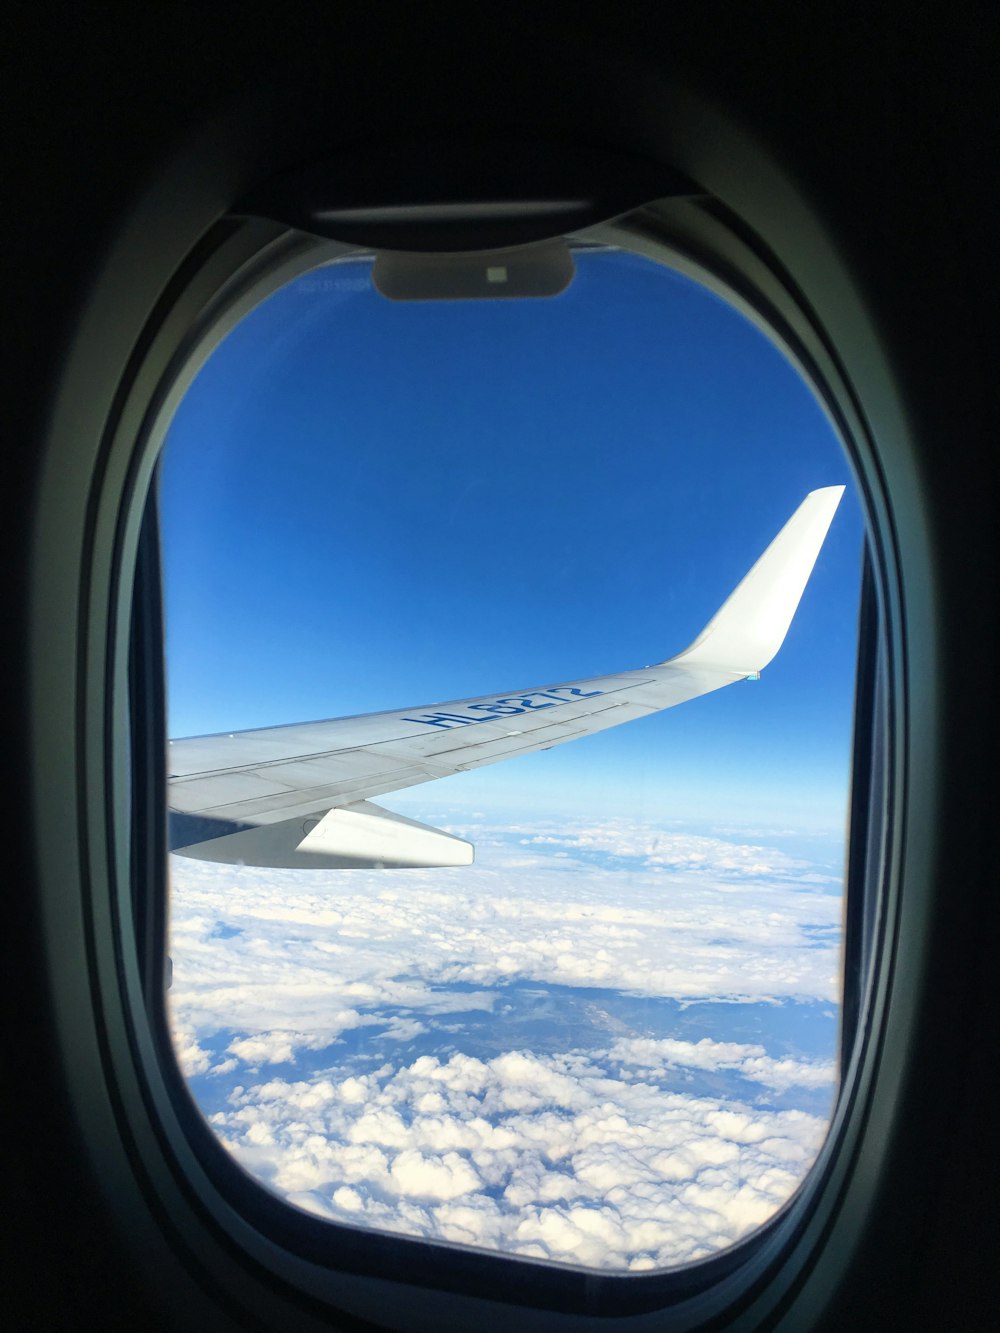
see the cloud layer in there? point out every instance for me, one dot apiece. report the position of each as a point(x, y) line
point(326, 1023)
point(557, 1158)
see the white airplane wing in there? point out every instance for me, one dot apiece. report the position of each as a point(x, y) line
point(299, 796)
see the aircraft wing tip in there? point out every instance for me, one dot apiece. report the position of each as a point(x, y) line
point(829, 491)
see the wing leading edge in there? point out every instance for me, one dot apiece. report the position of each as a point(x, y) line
point(300, 795)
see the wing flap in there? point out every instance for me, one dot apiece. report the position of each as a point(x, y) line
point(353, 837)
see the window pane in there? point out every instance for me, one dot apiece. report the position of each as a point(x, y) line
point(612, 1040)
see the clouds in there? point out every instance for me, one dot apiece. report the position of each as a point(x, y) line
point(500, 1056)
point(311, 950)
point(557, 1158)
point(750, 1061)
point(658, 848)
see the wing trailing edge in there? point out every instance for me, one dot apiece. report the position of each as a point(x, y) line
point(350, 837)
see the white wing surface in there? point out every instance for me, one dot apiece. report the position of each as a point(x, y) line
point(300, 795)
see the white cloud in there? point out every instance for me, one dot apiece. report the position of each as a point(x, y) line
point(598, 1170)
point(680, 851)
point(190, 1056)
point(447, 1177)
point(596, 1156)
point(750, 1061)
point(348, 1200)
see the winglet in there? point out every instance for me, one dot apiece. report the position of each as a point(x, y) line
point(750, 626)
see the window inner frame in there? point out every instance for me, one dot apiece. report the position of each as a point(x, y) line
point(696, 239)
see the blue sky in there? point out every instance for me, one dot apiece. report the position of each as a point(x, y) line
point(369, 505)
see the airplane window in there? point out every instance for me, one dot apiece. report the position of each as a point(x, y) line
point(421, 558)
